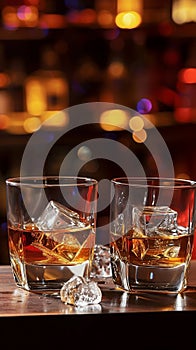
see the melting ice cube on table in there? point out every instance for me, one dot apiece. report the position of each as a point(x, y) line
point(79, 292)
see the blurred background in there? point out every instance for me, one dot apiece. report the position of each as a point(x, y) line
point(56, 54)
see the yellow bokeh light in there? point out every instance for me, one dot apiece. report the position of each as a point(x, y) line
point(129, 5)
point(184, 11)
point(136, 123)
point(128, 20)
point(31, 124)
point(35, 97)
point(56, 119)
point(114, 119)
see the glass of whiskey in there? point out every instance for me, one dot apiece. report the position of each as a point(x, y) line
point(51, 230)
point(152, 227)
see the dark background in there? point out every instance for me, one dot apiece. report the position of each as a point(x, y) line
point(152, 57)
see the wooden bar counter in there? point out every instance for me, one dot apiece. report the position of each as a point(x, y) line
point(120, 318)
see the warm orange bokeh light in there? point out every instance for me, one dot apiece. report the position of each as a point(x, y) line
point(105, 19)
point(4, 79)
point(52, 21)
point(128, 20)
point(188, 75)
point(139, 136)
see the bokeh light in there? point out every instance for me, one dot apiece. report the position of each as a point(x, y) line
point(136, 123)
point(144, 106)
point(84, 153)
point(139, 136)
point(128, 20)
point(187, 75)
point(114, 119)
point(32, 124)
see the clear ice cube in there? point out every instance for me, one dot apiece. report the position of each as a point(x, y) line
point(155, 220)
point(154, 231)
point(56, 216)
point(62, 234)
point(80, 292)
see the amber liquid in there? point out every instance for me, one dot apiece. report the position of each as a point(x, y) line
point(45, 260)
point(157, 263)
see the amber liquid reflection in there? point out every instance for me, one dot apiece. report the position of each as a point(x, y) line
point(150, 262)
point(47, 259)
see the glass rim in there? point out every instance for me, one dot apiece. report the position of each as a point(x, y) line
point(159, 182)
point(44, 181)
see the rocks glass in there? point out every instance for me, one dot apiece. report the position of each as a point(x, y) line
point(51, 230)
point(152, 225)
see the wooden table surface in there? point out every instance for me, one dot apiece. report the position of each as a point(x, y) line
point(18, 302)
point(135, 315)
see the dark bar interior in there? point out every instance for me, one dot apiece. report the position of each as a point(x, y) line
point(58, 54)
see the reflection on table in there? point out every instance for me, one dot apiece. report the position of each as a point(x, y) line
point(18, 302)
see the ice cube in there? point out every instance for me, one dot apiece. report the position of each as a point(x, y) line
point(101, 266)
point(155, 220)
point(56, 216)
point(63, 236)
point(80, 292)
